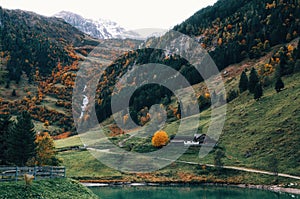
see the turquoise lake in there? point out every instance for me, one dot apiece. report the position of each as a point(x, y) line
point(203, 192)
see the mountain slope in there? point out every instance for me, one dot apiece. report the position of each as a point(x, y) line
point(100, 29)
point(234, 30)
point(252, 135)
point(39, 59)
point(255, 34)
point(33, 49)
point(29, 40)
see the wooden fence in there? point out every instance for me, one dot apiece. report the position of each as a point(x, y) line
point(17, 173)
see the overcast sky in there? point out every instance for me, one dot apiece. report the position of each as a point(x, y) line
point(131, 14)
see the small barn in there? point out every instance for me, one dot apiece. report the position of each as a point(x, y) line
point(197, 140)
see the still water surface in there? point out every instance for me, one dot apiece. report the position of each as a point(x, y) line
point(203, 192)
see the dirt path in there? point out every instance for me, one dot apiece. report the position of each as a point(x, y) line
point(246, 169)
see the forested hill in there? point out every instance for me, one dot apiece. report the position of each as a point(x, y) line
point(39, 60)
point(233, 30)
point(30, 41)
point(48, 50)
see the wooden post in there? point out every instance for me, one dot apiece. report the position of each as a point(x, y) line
point(34, 172)
point(16, 174)
point(51, 172)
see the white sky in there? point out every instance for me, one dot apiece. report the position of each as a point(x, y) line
point(131, 14)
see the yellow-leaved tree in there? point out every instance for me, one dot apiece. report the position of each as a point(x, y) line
point(46, 154)
point(160, 139)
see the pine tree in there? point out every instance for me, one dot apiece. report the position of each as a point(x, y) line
point(5, 123)
point(203, 102)
point(253, 80)
point(279, 85)
point(258, 92)
point(13, 93)
point(243, 85)
point(232, 95)
point(21, 141)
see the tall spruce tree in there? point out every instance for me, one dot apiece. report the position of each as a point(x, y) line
point(243, 85)
point(253, 80)
point(21, 141)
point(5, 123)
point(258, 91)
point(279, 85)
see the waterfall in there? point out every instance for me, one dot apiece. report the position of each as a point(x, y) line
point(85, 102)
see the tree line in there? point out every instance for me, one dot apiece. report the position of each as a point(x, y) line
point(234, 30)
point(20, 145)
point(284, 62)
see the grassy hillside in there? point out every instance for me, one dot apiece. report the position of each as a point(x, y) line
point(68, 142)
point(60, 188)
point(256, 131)
point(253, 133)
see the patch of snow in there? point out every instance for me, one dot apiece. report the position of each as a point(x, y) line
point(100, 28)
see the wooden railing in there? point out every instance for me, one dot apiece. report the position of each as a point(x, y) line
point(17, 173)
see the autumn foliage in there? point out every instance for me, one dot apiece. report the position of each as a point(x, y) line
point(160, 138)
point(62, 135)
point(45, 150)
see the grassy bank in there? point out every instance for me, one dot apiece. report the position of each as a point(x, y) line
point(58, 188)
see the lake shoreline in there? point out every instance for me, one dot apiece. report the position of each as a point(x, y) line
point(273, 188)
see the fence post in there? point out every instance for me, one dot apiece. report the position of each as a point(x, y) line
point(16, 174)
point(51, 172)
point(34, 172)
point(54, 172)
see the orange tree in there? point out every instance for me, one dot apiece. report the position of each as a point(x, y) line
point(45, 150)
point(160, 138)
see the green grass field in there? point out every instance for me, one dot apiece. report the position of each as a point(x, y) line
point(68, 142)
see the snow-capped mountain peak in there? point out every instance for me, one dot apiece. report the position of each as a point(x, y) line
point(101, 28)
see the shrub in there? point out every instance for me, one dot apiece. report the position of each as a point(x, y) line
point(243, 85)
point(160, 139)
